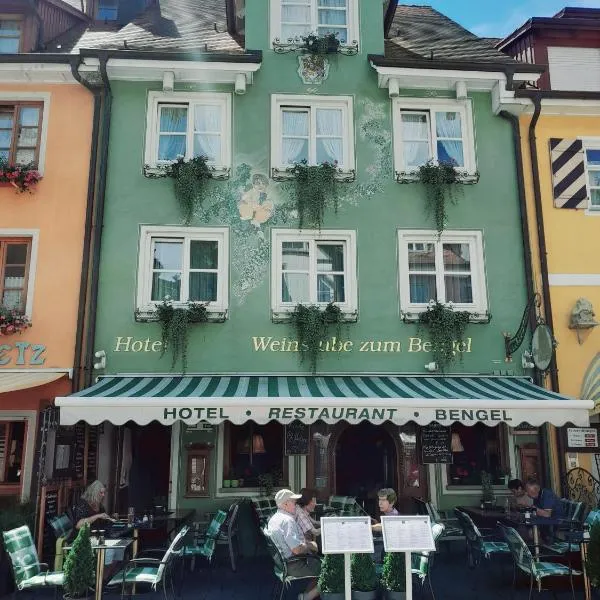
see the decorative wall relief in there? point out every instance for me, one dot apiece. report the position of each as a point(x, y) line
point(313, 68)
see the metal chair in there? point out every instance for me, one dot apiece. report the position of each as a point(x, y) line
point(205, 543)
point(265, 508)
point(280, 565)
point(536, 569)
point(152, 571)
point(422, 562)
point(478, 545)
point(452, 530)
point(228, 534)
point(28, 571)
point(564, 544)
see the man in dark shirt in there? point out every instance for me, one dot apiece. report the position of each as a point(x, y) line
point(545, 500)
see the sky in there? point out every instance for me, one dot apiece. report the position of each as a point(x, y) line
point(487, 18)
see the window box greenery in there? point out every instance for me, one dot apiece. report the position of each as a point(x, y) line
point(440, 181)
point(175, 323)
point(364, 577)
point(80, 566)
point(12, 321)
point(446, 328)
point(22, 177)
point(312, 327)
point(316, 44)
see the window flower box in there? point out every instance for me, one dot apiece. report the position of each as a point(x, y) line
point(12, 321)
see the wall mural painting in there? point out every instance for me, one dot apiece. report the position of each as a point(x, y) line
point(250, 203)
point(590, 388)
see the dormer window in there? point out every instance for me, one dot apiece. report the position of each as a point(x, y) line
point(10, 36)
point(108, 10)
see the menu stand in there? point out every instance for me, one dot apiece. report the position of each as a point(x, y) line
point(347, 536)
point(407, 533)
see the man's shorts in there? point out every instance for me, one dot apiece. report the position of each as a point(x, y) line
point(305, 566)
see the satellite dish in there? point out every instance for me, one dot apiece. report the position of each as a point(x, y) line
point(542, 347)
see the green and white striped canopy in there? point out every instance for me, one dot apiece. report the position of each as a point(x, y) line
point(377, 399)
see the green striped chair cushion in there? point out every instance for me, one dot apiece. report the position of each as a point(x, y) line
point(51, 578)
point(494, 548)
point(216, 524)
point(147, 575)
point(23, 554)
point(562, 547)
point(62, 526)
point(207, 549)
point(547, 569)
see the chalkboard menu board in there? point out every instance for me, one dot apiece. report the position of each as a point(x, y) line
point(50, 509)
point(297, 438)
point(436, 444)
point(92, 472)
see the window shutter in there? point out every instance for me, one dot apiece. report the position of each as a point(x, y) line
point(568, 173)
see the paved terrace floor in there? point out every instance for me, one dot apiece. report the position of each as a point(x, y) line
point(253, 580)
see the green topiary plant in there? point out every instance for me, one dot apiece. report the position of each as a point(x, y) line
point(592, 563)
point(487, 488)
point(446, 329)
point(80, 565)
point(439, 180)
point(364, 576)
point(191, 177)
point(315, 186)
point(175, 324)
point(331, 577)
point(311, 325)
point(393, 575)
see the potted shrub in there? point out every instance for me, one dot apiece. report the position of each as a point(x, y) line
point(487, 490)
point(331, 577)
point(364, 577)
point(393, 576)
point(80, 566)
point(592, 563)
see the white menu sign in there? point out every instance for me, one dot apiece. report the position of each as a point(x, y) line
point(407, 533)
point(346, 534)
point(582, 437)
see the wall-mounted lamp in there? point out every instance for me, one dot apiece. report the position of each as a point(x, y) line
point(240, 84)
point(101, 364)
point(168, 81)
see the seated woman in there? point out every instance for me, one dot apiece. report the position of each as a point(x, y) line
point(386, 499)
point(304, 507)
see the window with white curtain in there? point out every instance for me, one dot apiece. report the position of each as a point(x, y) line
point(188, 125)
point(592, 167)
point(312, 130)
point(311, 267)
point(15, 257)
point(292, 19)
point(447, 269)
point(438, 130)
point(183, 264)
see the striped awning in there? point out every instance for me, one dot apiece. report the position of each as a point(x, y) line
point(21, 380)
point(377, 399)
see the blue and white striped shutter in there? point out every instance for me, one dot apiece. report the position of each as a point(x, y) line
point(568, 173)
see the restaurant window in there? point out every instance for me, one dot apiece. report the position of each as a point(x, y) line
point(188, 125)
point(476, 449)
point(253, 455)
point(448, 268)
point(312, 267)
point(14, 270)
point(10, 36)
point(12, 441)
point(20, 127)
point(183, 264)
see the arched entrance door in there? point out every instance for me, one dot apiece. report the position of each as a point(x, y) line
point(366, 460)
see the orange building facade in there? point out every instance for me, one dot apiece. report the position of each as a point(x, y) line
point(48, 127)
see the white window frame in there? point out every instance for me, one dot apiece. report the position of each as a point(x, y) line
point(145, 305)
point(347, 237)
point(432, 105)
point(155, 99)
point(343, 103)
point(275, 20)
point(478, 280)
point(34, 236)
point(590, 144)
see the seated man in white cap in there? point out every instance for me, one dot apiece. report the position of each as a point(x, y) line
point(287, 536)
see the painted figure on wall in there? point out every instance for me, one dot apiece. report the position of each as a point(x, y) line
point(254, 205)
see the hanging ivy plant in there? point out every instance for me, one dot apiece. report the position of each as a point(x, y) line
point(190, 183)
point(315, 187)
point(175, 324)
point(446, 329)
point(439, 180)
point(327, 43)
point(311, 325)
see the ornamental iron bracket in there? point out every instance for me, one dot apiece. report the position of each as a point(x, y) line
point(513, 343)
point(297, 43)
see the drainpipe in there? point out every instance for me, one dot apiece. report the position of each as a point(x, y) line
point(537, 197)
point(93, 223)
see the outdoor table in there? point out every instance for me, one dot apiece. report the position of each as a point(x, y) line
point(484, 517)
point(100, 550)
